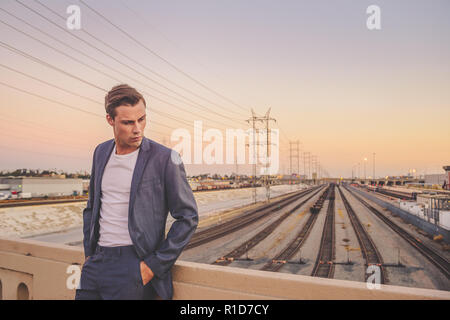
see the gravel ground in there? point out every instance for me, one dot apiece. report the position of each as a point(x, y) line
point(21, 222)
point(347, 246)
point(440, 247)
point(62, 223)
point(213, 250)
point(48, 220)
point(417, 271)
point(271, 246)
point(310, 248)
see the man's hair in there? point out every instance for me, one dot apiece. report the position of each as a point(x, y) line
point(120, 95)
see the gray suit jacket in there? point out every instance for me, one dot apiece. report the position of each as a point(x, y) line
point(159, 185)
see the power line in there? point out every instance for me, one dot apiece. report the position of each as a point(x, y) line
point(61, 103)
point(50, 84)
point(120, 53)
point(43, 154)
point(160, 57)
point(31, 124)
point(51, 100)
point(99, 71)
point(20, 52)
point(68, 91)
point(30, 57)
point(43, 140)
point(177, 46)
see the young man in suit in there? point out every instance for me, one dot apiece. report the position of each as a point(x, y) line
point(134, 183)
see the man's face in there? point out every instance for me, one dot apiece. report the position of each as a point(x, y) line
point(128, 126)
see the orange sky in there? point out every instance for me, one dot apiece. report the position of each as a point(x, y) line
point(345, 92)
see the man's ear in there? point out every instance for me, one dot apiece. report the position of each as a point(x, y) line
point(110, 120)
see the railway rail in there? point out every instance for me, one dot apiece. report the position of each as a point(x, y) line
point(398, 195)
point(368, 247)
point(324, 266)
point(434, 257)
point(292, 248)
point(247, 245)
point(220, 230)
point(12, 204)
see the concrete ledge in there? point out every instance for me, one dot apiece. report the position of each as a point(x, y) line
point(38, 270)
point(249, 284)
point(426, 226)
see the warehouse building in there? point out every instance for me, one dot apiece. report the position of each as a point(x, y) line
point(40, 186)
point(438, 178)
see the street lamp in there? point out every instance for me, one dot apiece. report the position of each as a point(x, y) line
point(354, 174)
point(359, 170)
point(374, 165)
point(365, 160)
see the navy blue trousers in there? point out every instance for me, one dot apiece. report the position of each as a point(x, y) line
point(113, 273)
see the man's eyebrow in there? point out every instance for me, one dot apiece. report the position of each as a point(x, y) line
point(127, 120)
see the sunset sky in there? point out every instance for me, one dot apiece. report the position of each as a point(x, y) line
point(343, 90)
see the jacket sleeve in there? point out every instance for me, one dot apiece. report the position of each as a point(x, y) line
point(183, 208)
point(87, 212)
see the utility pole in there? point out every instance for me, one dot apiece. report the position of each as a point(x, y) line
point(265, 120)
point(267, 179)
point(304, 166)
point(296, 155)
point(307, 159)
point(254, 119)
point(313, 171)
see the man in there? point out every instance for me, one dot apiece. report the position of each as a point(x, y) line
point(134, 183)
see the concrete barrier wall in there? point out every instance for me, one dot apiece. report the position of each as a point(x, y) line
point(426, 226)
point(37, 270)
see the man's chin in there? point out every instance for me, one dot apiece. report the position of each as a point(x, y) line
point(137, 143)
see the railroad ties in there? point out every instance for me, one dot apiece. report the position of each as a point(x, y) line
point(252, 216)
point(324, 266)
point(247, 245)
point(292, 248)
point(325, 261)
point(368, 247)
point(435, 258)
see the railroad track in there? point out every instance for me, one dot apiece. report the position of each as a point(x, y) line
point(397, 195)
point(39, 202)
point(244, 220)
point(247, 245)
point(324, 266)
point(292, 248)
point(435, 258)
point(368, 247)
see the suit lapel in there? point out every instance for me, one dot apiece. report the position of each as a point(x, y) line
point(141, 162)
point(104, 157)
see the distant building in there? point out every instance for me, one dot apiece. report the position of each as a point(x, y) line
point(42, 186)
point(435, 178)
point(447, 177)
point(86, 186)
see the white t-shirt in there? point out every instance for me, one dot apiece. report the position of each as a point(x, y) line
point(115, 197)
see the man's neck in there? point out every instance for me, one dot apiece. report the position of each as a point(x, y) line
point(120, 150)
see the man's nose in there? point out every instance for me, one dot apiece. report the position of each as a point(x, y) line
point(136, 128)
